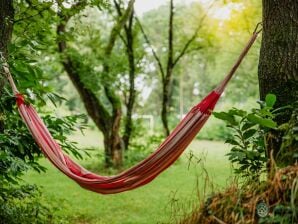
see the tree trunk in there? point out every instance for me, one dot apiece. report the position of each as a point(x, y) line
point(6, 25)
point(278, 66)
point(107, 124)
point(128, 41)
point(165, 103)
point(132, 92)
point(166, 82)
point(167, 74)
point(6, 28)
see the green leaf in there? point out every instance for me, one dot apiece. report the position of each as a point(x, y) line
point(241, 156)
point(250, 155)
point(262, 121)
point(247, 125)
point(248, 134)
point(232, 142)
point(270, 100)
point(237, 112)
point(225, 117)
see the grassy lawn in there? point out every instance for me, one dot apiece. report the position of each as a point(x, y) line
point(152, 203)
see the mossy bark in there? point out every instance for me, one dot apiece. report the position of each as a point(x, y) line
point(6, 28)
point(278, 66)
point(6, 24)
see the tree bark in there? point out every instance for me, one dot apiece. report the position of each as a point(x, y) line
point(6, 28)
point(278, 65)
point(6, 25)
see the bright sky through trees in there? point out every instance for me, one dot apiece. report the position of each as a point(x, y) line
point(222, 13)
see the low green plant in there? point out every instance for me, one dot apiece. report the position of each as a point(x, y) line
point(25, 204)
point(249, 152)
point(19, 153)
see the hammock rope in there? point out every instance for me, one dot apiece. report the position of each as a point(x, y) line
point(145, 171)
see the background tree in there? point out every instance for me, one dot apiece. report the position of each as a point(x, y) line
point(108, 121)
point(278, 67)
point(166, 64)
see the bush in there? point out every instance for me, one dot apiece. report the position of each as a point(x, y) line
point(249, 151)
point(18, 154)
point(25, 204)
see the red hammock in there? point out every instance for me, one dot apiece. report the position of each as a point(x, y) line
point(144, 172)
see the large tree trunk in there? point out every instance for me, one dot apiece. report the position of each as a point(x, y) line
point(278, 67)
point(6, 28)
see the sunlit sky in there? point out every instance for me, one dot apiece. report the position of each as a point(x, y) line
point(142, 6)
point(222, 13)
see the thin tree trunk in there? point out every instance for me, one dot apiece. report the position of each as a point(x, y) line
point(6, 28)
point(169, 73)
point(278, 66)
point(165, 103)
point(132, 92)
point(128, 41)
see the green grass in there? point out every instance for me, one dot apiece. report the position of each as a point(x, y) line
point(149, 204)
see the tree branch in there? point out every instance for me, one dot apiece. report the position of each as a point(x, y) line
point(170, 64)
point(118, 8)
point(110, 94)
point(190, 41)
point(152, 49)
point(117, 27)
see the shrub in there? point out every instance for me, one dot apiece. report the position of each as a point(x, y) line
point(19, 153)
point(25, 204)
point(249, 151)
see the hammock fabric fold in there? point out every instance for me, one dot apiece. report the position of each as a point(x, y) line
point(145, 171)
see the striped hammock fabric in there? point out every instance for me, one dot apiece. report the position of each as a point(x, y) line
point(144, 172)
